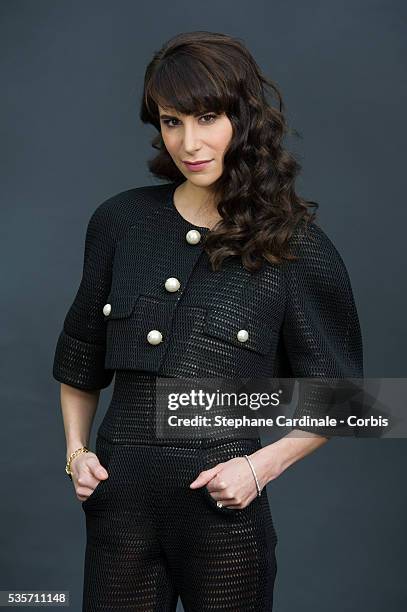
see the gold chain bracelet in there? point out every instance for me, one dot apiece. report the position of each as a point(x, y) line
point(83, 449)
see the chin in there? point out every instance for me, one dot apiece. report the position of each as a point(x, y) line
point(202, 181)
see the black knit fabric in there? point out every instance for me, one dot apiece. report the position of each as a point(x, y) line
point(149, 537)
point(300, 317)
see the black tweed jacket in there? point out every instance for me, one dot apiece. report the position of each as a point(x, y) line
point(149, 301)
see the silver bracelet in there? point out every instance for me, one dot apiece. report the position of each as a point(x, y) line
point(255, 477)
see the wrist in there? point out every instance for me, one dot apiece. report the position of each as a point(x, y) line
point(270, 461)
point(72, 447)
point(71, 458)
point(266, 465)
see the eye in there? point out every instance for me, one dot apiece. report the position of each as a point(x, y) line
point(209, 117)
point(168, 121)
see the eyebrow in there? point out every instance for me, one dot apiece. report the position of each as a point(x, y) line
point(175, 117)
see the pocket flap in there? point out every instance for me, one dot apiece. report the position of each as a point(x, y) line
point(260, 337)
point(121, 306)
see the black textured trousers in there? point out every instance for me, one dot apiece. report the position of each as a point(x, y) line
point(150, 538)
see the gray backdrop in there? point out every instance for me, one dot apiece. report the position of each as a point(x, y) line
point(72, 76)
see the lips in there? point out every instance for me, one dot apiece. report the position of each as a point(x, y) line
point(201, 161)
point(196, 166)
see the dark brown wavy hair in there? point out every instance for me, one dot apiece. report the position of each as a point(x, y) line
point(200, 72)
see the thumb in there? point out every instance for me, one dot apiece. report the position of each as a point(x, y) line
point(204, 477)
point(100, 472)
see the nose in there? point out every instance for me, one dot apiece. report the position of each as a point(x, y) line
point(191, 137)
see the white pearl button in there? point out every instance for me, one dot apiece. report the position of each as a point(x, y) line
point(242, 335)
point(107, 309)
point(193, 236)
point(172, 284)
point(154, 336)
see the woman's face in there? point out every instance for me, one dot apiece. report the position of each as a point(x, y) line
point(191, 139)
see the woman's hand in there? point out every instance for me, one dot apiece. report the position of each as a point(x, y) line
point(231, 482)
point(87, 472)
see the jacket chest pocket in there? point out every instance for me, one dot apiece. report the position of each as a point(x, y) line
point(233, 330)
point(129, 341)
point(119, 307)
point(236, 345)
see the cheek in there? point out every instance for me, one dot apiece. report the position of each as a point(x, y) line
point(223, 138)
point(170, 142)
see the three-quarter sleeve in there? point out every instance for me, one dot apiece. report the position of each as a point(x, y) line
point(80, 350)
point(321, 330)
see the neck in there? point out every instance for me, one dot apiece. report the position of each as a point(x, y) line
point(198, 197)
point(196, 203)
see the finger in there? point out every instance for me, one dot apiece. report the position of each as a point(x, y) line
point(216, 484)
point(222, 498)
point(230, 500)
point(204, 477)
point(87, 481)
point(96, 469)
point(243, 503)
point(226, 503)
point(85, 492)
point(100, 472)
point(232, 506)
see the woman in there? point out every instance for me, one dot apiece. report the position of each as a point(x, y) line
point(221, 272)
